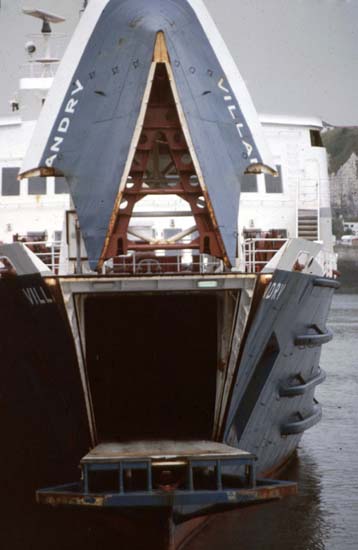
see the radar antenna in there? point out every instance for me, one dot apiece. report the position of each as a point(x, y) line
point(46, 18)
point(84, 6)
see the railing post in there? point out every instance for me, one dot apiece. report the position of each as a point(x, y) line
point(121, 481)
point(78, 249)
point(190, 479)
point(85, 479)
point(297, 205)
point(149, 474)
point(53, 256)
point(252, 475)
point(219, 481)
point(318, 209)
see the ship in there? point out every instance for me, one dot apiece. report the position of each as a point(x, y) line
point(177, 369)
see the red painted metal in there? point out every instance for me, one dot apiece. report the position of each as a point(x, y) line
point(163, 165)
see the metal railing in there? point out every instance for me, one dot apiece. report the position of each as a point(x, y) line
point(258, 252)
point(48, 252)
point(191, 467)
point(151, 264)
point(328, 261)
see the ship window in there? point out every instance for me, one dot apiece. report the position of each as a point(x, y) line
point(61, 187)
point(274, 184)
point(37, 186)
point(248, 184)
point(316, 140)
point(10, 183)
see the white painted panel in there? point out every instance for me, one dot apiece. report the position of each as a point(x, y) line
point(62, 82)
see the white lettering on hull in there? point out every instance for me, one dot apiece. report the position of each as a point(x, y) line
point(274, 291)
point(232, 108)
point(56, 146)
point(37, 296)
point(64, 124)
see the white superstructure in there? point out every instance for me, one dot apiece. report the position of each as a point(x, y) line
point(302, 187)
point(295, 204)
point(26, 207)
point(266, 202)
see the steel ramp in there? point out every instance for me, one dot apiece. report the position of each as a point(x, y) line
point(166, 474)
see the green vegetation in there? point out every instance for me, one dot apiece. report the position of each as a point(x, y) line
point(338, 227)
point(340, 144)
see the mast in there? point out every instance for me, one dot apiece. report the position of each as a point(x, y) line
point(42, 63)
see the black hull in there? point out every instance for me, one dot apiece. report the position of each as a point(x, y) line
point(44, 426)
point(43, 422)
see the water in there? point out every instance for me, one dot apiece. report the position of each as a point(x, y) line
point(324, 516)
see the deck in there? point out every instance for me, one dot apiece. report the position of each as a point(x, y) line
point(162, 451)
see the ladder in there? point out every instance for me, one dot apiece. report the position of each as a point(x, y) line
point(308, 224)
point(308, 203)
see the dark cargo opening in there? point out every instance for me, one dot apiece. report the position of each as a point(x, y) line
point(152, 363)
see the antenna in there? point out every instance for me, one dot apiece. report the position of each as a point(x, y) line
point(84, 6)
point(46, 18)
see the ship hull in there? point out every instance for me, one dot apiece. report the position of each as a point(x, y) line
point(45, 421)
point(273, 401)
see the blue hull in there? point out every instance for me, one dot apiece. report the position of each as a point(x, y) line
point(263, 417)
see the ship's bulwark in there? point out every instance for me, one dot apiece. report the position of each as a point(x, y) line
point(43, 419)
point(272, 359)
point(44, 431)
point(86, 130)
point(42, 416)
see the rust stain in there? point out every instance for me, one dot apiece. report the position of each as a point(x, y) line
point(258, 168)
point(42, 171)
point(68, 499)
point(6, 268)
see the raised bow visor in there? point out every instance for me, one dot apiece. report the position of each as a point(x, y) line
point(97, 127)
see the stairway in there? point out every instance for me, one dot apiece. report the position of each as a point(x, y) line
point(308, 225)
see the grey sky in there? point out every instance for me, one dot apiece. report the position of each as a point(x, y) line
point(297, 56)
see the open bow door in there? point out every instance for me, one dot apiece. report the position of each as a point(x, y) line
point(163, 162)
point(148, 101)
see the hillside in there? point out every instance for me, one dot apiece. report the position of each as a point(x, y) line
point(340, 144)
point(342, 148)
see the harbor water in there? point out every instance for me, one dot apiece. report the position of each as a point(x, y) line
point(324, 516)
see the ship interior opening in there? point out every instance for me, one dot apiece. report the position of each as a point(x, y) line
point(152, 364)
